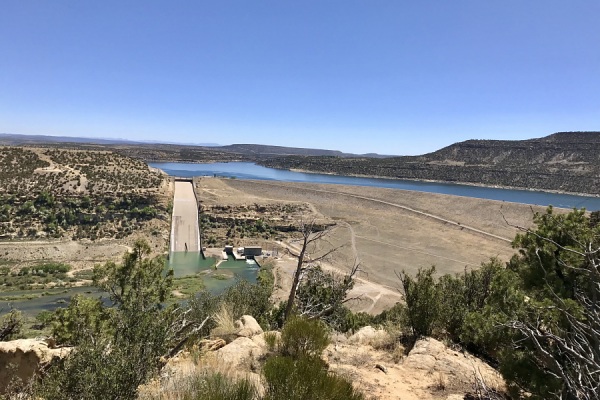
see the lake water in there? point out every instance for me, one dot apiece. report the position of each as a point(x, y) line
point(245, 170)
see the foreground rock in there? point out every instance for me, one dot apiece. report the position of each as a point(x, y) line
point(248, 326)
point(371, 359)
point(21, 359)
point(430, 371)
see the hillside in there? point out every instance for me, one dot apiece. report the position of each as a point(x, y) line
point(264, 150)
point(169, 151)
point(564, 161)
point(64, 193)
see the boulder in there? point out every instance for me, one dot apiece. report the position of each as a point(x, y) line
point(240, 352)
point(211, 345)
point(21, 359)
point(434, 357)
point(248, 326)
point(369, 336)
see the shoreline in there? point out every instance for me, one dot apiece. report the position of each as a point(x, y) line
point(483, 185)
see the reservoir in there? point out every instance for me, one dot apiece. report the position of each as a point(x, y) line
point(246, 170)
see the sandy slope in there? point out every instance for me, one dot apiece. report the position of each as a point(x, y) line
point(390, 230)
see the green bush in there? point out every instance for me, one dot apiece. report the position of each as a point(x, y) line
point(304, 378)
point(11, 325)
point(217, 386)
point(423, 302)
point(301, 337)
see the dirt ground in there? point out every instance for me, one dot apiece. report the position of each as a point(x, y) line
point(388, 230)
point(82, 254)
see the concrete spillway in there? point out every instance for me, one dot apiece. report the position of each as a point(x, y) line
point(185, 232)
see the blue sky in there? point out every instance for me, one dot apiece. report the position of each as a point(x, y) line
point(392, 77)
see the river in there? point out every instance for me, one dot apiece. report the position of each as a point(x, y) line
point(246, 170)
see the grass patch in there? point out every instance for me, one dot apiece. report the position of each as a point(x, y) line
point(221, 277)
point(188, 285)
point(86, 274)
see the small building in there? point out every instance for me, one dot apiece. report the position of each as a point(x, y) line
point(229, 249)
point(252, 251)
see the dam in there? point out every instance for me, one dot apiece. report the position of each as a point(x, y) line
point(185, 250)
point(185, 231)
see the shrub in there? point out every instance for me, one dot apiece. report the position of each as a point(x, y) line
point(303, 338)
point(423, 302)
point(11, 325)
point(205, 385)
point(271, 340)
point(304, 378)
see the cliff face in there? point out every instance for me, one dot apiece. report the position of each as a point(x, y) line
point(565, 161)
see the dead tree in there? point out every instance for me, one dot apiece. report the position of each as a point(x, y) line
point(10, 324)
point(312, 235)
point(321, 293)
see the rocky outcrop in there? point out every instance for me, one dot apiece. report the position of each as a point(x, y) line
point(370, 336)
point(434, 357)
point(21, 359)
point(430, 371)
point(248, 326)
point(242, 352)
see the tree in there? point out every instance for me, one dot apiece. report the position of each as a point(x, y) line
point(10, 325)
point(559, 262)
point(119, 349)
point(323, 294)
point(313, 236)
point(541, 320)
point(422, 302)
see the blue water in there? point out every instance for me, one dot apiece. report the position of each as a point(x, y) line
point(245, 170)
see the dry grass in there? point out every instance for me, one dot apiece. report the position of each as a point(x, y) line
point(225, 323)
point(360, 358)
point(440, 383)
point(183, 380)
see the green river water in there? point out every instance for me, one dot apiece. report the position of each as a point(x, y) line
point(215, 280)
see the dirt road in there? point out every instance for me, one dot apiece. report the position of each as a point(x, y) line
point(184, 228)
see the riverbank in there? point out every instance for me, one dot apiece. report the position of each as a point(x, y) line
point(390, 230)
point(305, 171)
point(474, 184)
point(246, 170)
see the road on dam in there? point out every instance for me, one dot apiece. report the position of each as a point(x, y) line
point(185, 233)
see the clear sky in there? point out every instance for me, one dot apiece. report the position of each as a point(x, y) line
point(393, 77)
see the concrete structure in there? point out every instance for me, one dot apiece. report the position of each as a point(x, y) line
point(185, 232)
point(252, 251)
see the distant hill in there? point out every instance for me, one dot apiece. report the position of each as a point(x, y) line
point(266, 150)
point(564, 161)
point(246, 150)
point(12, 139)
point(16, 139)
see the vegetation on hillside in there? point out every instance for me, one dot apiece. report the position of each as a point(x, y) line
point(537, 318)
point(565, 162)
point(79, 194)
point(76, 216)
point(120, 347)
point(222, 224)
